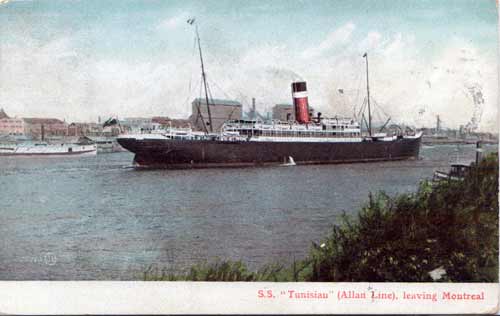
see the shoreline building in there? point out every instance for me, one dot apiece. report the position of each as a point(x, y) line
point(52, 127)
point(167, 122)
point(90, 129)
point(220, 110)
point(12, 126)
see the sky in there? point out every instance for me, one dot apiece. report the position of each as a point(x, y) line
point(78, 60)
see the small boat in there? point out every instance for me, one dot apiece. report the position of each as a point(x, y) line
point(81, 147)
point(289, 162)
point(46, 149)
point(457, 172)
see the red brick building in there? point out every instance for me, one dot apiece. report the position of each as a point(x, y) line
point(11, 125)
point(51, 127)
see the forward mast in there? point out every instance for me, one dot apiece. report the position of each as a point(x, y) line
point(204, 78)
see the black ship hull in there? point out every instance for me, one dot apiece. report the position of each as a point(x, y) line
point(176, 154)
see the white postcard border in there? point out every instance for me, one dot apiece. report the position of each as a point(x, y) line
point(155, 298)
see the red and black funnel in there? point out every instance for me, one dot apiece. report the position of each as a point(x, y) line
point(300, 102)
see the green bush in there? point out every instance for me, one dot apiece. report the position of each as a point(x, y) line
point(452, 225)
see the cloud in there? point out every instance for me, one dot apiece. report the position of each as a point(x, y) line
point(173, 22)
point(336, 38)
point(371, 41)
point(54, 78)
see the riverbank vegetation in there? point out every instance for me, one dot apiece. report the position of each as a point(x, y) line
point(446, 232)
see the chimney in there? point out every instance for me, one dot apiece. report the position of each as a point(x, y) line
point(254, 115)
point(42, 132)
point(300, 102)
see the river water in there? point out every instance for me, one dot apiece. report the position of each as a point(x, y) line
point(93, 218)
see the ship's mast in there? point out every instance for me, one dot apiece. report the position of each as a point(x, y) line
point(368, 97)
point(204, 77)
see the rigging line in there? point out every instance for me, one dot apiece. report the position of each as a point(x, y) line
point(362, 108)
point(376, 112)
point(198, 107)
point(356, 101)
point(365, 106)
point(358, 113)
point(199, 111)
point(189, 96)
point(223, 92)
point(379, 117)
point(379, 107)
point(210, 93)
point(229, 75)
point(364, 120)
point(230, 116)
point(241, 96)
point(211, 98)
point(227, 96)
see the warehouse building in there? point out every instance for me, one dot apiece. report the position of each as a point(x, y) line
point(220, 110)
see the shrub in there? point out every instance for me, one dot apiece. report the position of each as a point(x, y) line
point(452, 226)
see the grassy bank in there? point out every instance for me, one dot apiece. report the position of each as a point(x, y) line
point(443, 232)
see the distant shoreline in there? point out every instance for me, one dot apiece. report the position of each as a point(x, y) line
point(456, 142)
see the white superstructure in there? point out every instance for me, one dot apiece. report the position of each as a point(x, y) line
point(325, 130)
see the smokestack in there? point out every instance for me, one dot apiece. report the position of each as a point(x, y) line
point(253, 109)
point(300, 102)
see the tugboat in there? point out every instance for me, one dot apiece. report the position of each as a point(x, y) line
point(458, 171)
point(309, 140)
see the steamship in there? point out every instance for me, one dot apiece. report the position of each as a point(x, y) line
point(48, 149)
point(306, 140)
